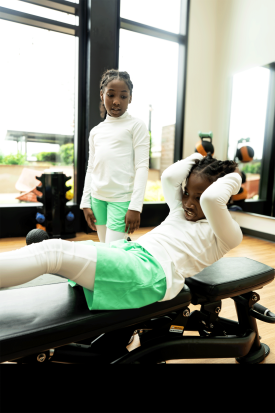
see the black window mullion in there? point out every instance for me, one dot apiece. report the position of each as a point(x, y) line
point(181, 87)
point(58, 5)
point(266, 191)
point(151, 31)
point(37, 21)
point(102, 44)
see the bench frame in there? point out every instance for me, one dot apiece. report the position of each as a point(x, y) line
point(218, 338)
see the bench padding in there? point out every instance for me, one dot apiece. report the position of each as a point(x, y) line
point(53, 315)
point(230, 277)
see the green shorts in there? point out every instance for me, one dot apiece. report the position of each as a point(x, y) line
point(127, 276)
point(111, 214)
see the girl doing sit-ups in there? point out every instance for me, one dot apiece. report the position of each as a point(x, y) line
point(198, 231)
point(118, 164)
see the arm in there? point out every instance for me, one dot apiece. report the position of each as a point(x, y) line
point(141, 143)
point(173, 177)
point(85, 204)
point(213, 203)
point(86, 197)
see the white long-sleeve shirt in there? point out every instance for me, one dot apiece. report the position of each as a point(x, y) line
point(182, 247)
point(118, 162)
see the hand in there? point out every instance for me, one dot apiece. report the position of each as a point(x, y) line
point(132, 220)
point(90, 218)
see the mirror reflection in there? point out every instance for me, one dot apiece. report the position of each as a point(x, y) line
point(250, 90)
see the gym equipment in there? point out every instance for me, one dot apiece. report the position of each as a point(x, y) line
point(36, 235)
point(57, 218)
point(205, 145)
point(240, 196)
point(244, 153)
point(52, 323)
point(40, 218)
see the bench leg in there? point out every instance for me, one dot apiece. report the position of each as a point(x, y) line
point(258, 351)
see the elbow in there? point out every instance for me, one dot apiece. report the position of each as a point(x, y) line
point(165, 179)
point(237, 240)
point(166, 176)
point(143, 167)
point(205, 200)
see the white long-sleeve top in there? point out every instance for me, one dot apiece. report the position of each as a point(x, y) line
point(182, 247)
point(118, 162)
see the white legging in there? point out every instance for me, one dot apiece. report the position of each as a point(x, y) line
point(72, 260)
point(108, 235)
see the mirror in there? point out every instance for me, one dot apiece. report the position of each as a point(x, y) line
point(247, 125)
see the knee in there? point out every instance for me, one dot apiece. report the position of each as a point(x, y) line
point(52, 244)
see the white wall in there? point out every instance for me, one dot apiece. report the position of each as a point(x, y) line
point(225, 37)
point(201, 63)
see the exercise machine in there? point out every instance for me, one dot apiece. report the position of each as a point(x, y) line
point(52, 323)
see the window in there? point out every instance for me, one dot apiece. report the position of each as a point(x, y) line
point(37, 103)
point(157, 13)
point(155, 61)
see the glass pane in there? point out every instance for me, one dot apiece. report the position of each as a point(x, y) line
point(37, 104)
point(154, 97)
point(161, 14)
point(40, 11)
point(247, 123)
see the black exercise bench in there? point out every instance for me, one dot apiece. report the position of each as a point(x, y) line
point(52, 323)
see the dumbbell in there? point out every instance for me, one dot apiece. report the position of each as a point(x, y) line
point(204, 146)
point(245, 154)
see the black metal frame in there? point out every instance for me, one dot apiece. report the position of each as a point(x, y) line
point(218, 338)
point(58, 5)
point(98, 32)
point(36, 21)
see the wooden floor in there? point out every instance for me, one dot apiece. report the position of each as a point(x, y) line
point(254, 248)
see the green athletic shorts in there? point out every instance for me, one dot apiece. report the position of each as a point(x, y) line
point(127, 276)
point(111, 214)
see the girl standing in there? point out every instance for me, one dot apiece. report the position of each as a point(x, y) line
point(118, 164)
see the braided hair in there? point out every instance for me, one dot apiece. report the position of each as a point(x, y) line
point(211, 168)
point(106, 78)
